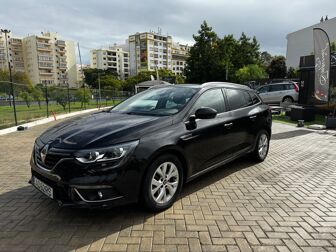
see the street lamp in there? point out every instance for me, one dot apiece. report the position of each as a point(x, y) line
point(5, 31)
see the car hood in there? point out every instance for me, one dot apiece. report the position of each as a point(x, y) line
point(100, 129)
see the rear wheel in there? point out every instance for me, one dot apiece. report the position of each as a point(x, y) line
point(288, 99)
point(262, 146)
point(163, 182)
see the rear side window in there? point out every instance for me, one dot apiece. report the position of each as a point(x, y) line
point(255, 98)
point(274, 88)
point(238, 98)
point(290, 86)
point(212, 98)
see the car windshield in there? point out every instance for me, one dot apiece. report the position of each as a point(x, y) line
point(157, 101)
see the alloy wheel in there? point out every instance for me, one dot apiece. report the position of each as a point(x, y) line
point(263, 145)
point(165, 182)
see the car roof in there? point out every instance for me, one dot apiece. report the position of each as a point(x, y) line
point(208, 85)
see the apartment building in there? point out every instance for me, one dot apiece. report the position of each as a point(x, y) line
point(115, 58)
point(49, 60)
point(148, 51)
point(80, 72)
point(179, 56)
point(15, 53)
point(44, 58)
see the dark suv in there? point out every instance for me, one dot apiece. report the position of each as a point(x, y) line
point(148, 146)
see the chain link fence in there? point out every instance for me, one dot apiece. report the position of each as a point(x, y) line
point(42, 101)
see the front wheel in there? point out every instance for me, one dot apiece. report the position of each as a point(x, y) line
point(163, 182)
point(262, 146)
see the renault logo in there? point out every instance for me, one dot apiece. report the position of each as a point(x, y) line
point(44, 152)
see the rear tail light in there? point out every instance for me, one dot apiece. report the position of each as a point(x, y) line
point(296, 87)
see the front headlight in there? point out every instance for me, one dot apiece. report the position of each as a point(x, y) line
point(111, 153)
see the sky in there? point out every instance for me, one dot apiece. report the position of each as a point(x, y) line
point(98, 23)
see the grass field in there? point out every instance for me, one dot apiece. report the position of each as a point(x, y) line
point(319, 119)
point(25, 114)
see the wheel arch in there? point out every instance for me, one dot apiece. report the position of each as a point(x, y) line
point(287, 96)
point(172, 150)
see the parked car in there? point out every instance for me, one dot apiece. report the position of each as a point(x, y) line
point(279, 92)
point(148, 146)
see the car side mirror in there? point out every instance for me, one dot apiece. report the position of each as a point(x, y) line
point(205, 113)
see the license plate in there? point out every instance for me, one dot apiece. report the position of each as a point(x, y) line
point(44, 188)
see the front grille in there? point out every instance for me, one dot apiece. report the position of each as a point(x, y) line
point(52, 158)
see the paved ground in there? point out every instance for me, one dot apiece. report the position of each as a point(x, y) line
point(287, 203)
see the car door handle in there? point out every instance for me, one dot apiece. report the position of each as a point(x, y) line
point(253, 117)
point(228, 125)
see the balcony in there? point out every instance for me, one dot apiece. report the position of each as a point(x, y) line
point(45, 59)
point(43, 46)
point(62, 65)
point(16, 41)
point(46, 73)
point(61, 51)
point(60, 43)
point(17, 59)
point(63, 77)
point(111, 59)
point(45, 65)
point(17, 48)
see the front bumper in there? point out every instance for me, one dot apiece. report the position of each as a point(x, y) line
point(74, 187)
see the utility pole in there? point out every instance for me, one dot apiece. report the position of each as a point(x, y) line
point(80, 60)
point(99, 89)
point(5, 31)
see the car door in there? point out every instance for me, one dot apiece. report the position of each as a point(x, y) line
point(239, 139)
point(206, 143)
point(276, 93)
point(264, 94)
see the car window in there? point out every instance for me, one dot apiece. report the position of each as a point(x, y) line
point(263, 89)
point(290, 86)
point(158, 101)
point(212, 99)
point(274, 88)
point(255, 99)
point(248, 98)
point(238, 98)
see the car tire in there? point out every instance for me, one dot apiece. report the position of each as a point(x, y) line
point(288, 99)
point(262, 146)
point(162, 183)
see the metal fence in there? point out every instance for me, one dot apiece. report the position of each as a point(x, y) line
point(31, 103)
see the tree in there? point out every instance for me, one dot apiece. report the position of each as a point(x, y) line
point(224, 53)
point(250, 72)
point(277, 68)
point(333, 47)
point(24, 95)
point(215, 59)
point(20, 80)
point(247, 52)
point(201, 59)
point(265, 59)
point(292, 73)
point(60, 95)
point(37, 94)
point(108, 78)
point(83, 95)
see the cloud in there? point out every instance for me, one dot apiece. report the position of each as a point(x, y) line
point(97, 23)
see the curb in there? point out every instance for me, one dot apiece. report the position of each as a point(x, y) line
point(47, 120)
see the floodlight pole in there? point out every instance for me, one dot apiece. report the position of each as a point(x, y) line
point(5, 31)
